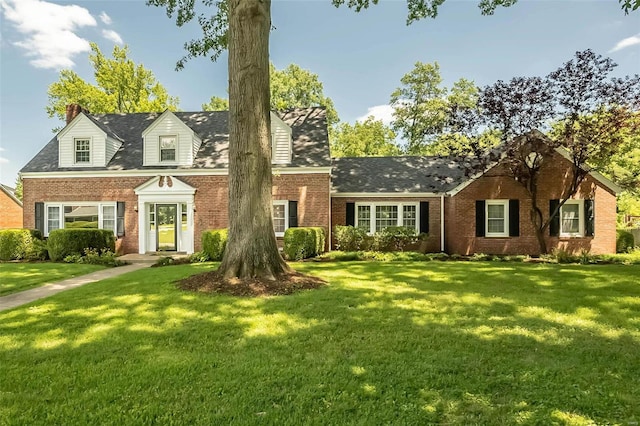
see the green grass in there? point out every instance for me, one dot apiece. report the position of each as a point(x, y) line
point(385, 343)
point(15, 277)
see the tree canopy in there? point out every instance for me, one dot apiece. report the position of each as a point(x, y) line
point(216, 104)
point(121, 86)
point(362, 139)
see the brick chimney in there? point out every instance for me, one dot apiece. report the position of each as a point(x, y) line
point(72, 112)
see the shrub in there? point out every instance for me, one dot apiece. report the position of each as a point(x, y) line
point(214, 242)
point(394, 238)
point(350, 238)
point(18, 244)
point(624, 241)
point(303, 243)
point(199, 257)
point(65, 242)
point(94, 256)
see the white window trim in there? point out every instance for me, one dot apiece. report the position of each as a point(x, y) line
point(175, 160)
point(400, 205)
point(504, 203)
point(580, 233)
point(75, 151)
point(284, 203)
point(60, 206)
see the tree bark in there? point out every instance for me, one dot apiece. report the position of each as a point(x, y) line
point(251, 248)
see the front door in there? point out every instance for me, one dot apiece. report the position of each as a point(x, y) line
point(166, 216)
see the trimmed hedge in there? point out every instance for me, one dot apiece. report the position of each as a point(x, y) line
point(624, 241)
point(391, 238)
point(18, 244)
point(65, 242)
point(303, 243)
point(214, 242)
point(350, 238)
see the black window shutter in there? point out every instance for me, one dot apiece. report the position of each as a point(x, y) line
point(480, 218)
point(351, 214)
point(120, 219)
point(514, 218)
point(39, 213)
point(554, 225)
point(589, 217)
point(293, 214)
point(424, 217)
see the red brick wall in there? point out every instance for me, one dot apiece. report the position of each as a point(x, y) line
point(10, 212)
point(211, 199)
point(460, 213)
point(339, 214)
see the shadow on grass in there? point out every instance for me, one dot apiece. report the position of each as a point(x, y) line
point(409, 343)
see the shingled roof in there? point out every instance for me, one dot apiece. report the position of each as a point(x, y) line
point(308, 127)
point(397, 175)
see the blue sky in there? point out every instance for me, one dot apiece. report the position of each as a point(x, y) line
point(360, 58)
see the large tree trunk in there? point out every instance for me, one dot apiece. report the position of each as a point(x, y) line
point(251, 248)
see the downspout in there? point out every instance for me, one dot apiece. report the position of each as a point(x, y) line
point(330, 203)
point(442, 223)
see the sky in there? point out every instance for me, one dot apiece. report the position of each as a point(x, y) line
point(359, 57)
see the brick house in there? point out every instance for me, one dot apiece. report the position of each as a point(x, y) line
point(159, 180)
point(10, 208)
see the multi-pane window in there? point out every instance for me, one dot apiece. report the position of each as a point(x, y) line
point(279, 217)
point(374, 217)
point(81, 216)
point(571, 219)
point(409, 216)
point(184, 217)
point(496, 218)
point(364, 217)
point(386, 216)
point(167, 148)
point(83, 150)
point(53, 218)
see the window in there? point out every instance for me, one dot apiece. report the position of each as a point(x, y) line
point(167, 148)
point(364, 217)
point(497, 218)
point(385, 215)
point(280, 217)
point(81, 216)
point(571, 220)
point(83, 150)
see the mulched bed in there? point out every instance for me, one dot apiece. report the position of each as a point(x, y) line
point(213, 282)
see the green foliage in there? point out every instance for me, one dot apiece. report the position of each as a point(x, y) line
point(624, 241)
point(18, 190)
point(121, 86)
point(199, 257)
point(350, 238)
point(303, 243)
point(92, 256)
point(214, 242)
point(368, 138)
point(216, 104)
point(22, 244)
point(64, 242)
point(395, 238)
point(295, 87)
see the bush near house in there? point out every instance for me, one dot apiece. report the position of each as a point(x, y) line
point(624, 241)
point(392, 238)
point(214, 242)
point(65, 242)
point(18, 244)
point(303, 243)
point(350, 238)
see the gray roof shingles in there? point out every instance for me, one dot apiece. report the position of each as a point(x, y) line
point(396, 174)
point(308, 126)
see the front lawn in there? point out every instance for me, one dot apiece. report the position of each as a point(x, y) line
point(385, 343)
point(15, 276)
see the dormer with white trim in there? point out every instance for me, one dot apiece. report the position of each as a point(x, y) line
point(82, 143)
point(281, 141)
point(168, 141)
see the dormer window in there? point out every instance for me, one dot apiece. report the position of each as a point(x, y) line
point(82, 150)
point(167, 148)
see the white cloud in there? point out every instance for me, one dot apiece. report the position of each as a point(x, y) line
point(626, 42)
point(49, 30)
point(106, 19)
point(112, 35)
point(3, 160)
point(380, 112)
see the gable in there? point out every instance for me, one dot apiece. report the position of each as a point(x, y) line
point(90, 138)
point(164, 185)
point(168, 132)
point(281, 142)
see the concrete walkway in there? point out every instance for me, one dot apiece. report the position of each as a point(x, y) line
point(28, 296)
